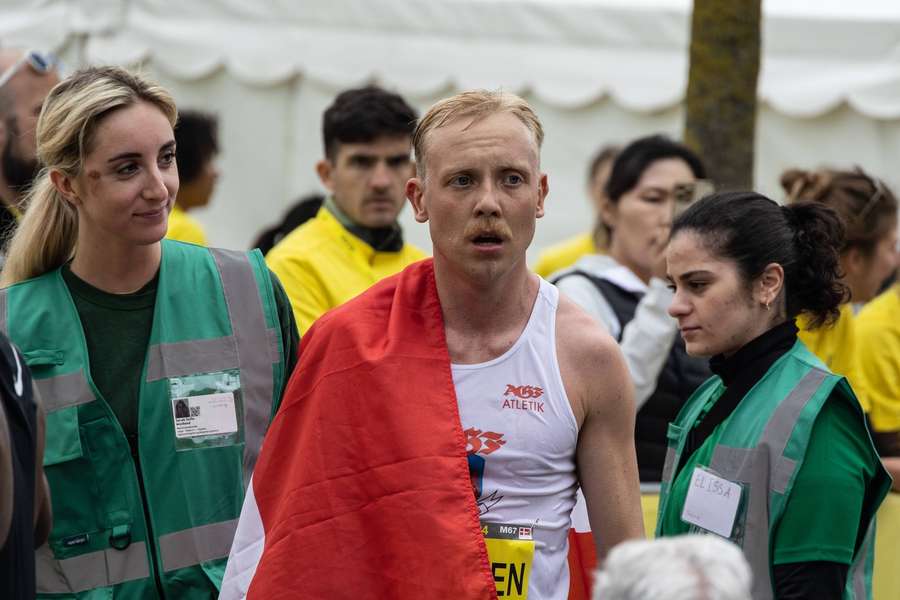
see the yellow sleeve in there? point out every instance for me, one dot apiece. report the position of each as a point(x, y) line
point(878, 349)
point(184, 228)
point(562, 255)
point(309, 298)
point(836, 347)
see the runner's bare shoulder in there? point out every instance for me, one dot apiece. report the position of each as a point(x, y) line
point(591, 363)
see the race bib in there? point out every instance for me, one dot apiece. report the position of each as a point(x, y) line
point(712, 502)
point(511, 552)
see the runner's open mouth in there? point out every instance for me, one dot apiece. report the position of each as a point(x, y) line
point(487, 239)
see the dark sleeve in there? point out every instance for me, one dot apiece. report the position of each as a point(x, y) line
point(815, 580)
point(887, 443)
point(290, 338)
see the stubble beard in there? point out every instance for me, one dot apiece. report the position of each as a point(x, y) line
point(18, 172)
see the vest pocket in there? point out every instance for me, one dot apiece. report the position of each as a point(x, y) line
point(93, 496)
point(74, 492)
point(111, 467)
point(63, 439)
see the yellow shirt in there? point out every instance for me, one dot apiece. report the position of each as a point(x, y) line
point(836, 346)
point(564, 254)
point(322, 265)
point(185, 228)
point(878, 332)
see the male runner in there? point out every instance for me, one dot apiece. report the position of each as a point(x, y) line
point(465, 373)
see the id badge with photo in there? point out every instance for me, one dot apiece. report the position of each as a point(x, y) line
point(207, 410)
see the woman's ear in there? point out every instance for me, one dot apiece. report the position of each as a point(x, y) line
point(769, 284)
point(65, 186)
point(853, 262)
point(609, 214)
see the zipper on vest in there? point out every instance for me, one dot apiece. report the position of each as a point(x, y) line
point(151, 538)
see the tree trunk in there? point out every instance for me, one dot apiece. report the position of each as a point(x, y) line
point(721, 95)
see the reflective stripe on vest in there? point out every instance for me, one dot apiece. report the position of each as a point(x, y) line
point(196, 545)
point(64, 391)
point(860, 571)
point(766, 470)
point(248, 323)
point(99, 569)
point(180, 359)
point(111, 566)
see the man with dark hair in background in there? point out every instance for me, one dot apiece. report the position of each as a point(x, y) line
point(197, 144)
point(25, 80)
point(25, 517)
point(354, 240)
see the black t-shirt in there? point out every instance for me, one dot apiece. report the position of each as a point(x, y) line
point(17, 554)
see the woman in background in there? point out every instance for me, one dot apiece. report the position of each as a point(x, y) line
point(625, 289)
point(868, 210)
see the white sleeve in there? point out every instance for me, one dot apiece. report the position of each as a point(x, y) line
point(647, 339)
point(585, 294)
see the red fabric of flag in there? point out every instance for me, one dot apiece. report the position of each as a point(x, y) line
point(362, 485)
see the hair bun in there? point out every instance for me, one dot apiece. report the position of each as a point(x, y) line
point(806, 185)
point(793, 181)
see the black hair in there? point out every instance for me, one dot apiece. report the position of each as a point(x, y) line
point(634, 159)
point(361, 115)
point(805, 238)
point(197, 142)
point(304, 209)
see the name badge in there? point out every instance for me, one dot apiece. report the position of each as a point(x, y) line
point(205, 415)
point(712, 502)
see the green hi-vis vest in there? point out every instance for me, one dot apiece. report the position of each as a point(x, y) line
point(215, 340)
point(762, 446)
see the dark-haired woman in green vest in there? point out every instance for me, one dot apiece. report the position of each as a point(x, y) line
point(772, 452)
point(160, 363)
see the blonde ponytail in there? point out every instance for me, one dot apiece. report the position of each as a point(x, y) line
point(46, 235)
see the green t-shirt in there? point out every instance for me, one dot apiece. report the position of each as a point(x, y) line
point(822, 516)
point(117, 331)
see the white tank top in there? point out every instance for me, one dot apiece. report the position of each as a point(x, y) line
point(521, 436)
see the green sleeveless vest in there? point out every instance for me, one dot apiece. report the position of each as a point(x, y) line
point(762, 446)
point(214, 344)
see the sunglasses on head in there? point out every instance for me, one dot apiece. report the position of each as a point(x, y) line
point(686, 194)
point(40, 62)
point(873, 199)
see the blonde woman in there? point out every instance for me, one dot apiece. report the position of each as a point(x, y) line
point(160, 363)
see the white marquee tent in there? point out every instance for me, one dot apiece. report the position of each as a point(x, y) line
point(597, 71)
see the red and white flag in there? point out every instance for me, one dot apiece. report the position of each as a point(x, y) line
point(362, 488)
